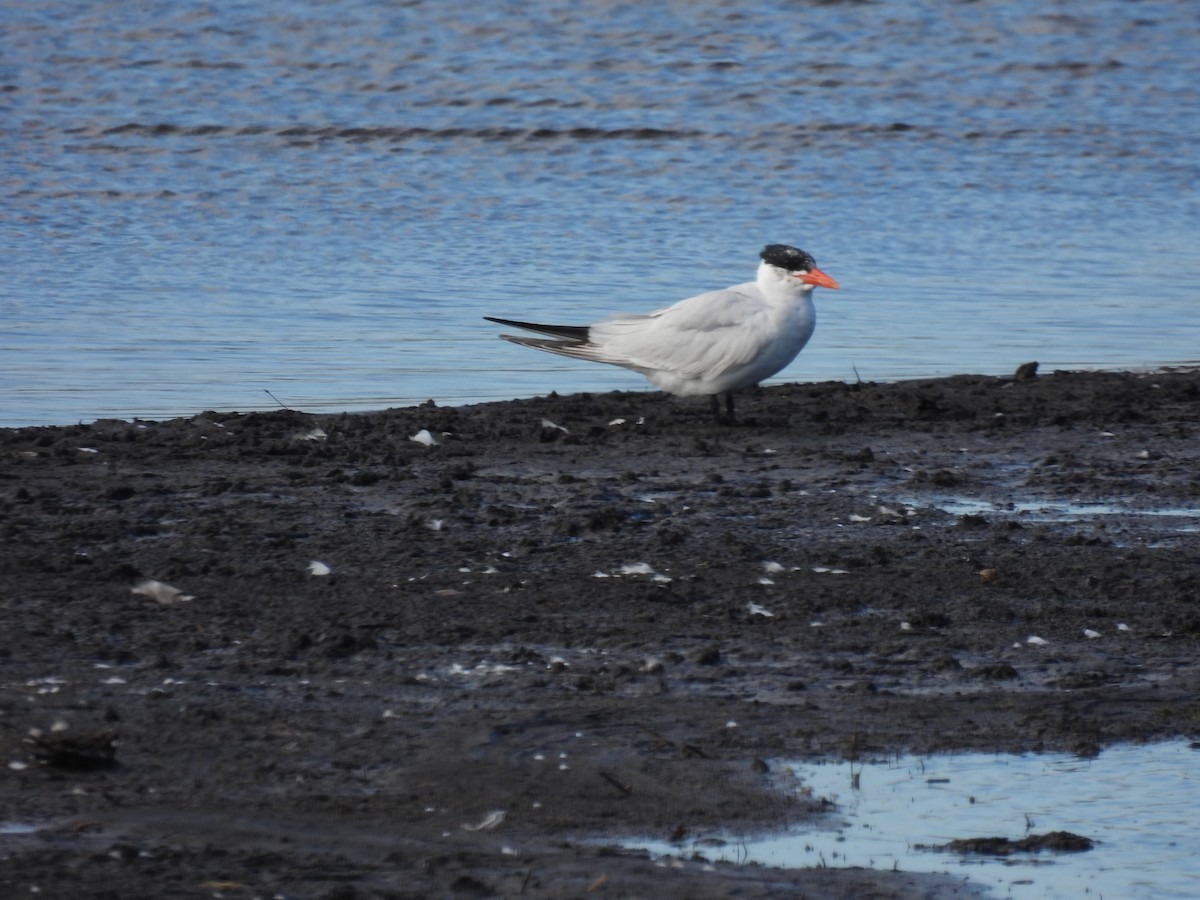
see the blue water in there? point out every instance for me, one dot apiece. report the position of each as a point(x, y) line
point(201, 203)
point(1136, 803)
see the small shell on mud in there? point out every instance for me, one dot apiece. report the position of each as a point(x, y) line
point(160, 592)
point(756, 610)
point(318, 568)
point(491, 820)
point(640, 568)
point(988, 576)
point(424, 437)
point(1090, 634)
point(1036, 641)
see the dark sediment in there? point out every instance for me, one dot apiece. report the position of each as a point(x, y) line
point(602, 630)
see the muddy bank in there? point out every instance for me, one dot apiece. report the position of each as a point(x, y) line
point(552, 623)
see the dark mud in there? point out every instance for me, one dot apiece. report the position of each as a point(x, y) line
point(1054, 841)
point(595, 629)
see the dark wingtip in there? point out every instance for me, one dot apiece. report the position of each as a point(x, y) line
point(564, 332)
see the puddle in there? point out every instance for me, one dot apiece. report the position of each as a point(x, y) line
point(1137, 803)
point(1054, 510)
point(18, 828)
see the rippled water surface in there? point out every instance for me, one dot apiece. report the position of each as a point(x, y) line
point(321, 199)
point(1136, 803)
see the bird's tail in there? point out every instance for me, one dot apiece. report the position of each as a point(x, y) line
point(562, 332)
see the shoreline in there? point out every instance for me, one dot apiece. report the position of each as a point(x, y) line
point(371, 407)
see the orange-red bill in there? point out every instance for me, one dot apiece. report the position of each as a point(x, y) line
point(819, 278)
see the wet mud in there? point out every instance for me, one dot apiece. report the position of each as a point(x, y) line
point(1054, 841)
point(330, 656)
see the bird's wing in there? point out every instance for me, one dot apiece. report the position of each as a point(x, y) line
point(701, 337)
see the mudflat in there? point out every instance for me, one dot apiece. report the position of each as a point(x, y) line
point(465, 651)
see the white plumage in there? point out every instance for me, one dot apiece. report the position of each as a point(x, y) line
point(714, 343)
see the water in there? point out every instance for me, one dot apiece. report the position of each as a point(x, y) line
point(1137, 803)
point(11, 828)
point(321, 199)
point(1167, 518)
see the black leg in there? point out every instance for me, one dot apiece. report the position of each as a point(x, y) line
point(729, 418)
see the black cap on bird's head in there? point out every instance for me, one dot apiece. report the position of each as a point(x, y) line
point(789, 258)
point(798, 263)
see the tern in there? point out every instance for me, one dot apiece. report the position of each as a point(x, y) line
point(714, 343)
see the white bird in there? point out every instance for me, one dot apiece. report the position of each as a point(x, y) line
point(714, 343)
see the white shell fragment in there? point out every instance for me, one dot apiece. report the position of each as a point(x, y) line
point(546, 423)
point(1036, 641)
point(1090, 634)
point(637, 569)
point(316, 567)
point(161, 593)
point(756, 610)
point(490, 821)
point(772, 568)
point(424, 437)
